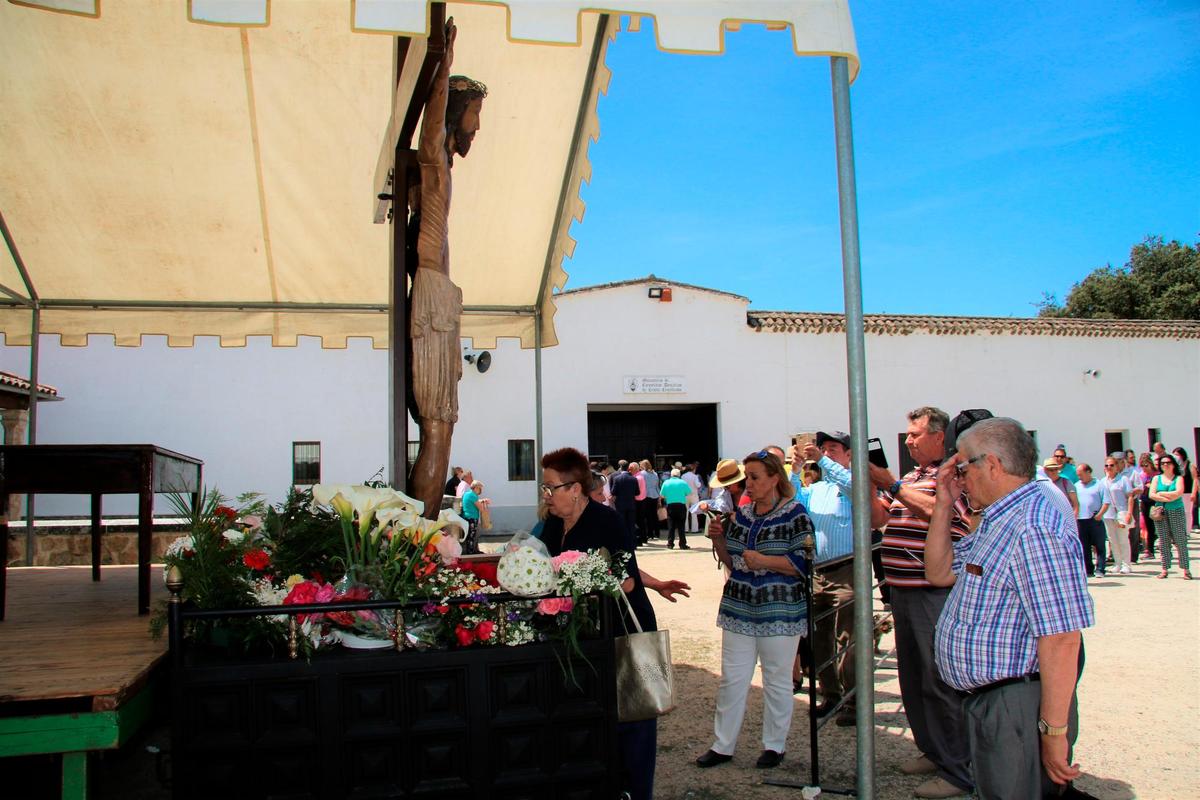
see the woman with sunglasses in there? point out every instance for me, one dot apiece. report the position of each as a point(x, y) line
point(578, 522)
point(763, 613)
point(1166, 490)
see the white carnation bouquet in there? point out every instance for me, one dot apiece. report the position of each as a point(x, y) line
point(525, 567)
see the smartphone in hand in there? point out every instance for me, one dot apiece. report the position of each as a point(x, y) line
point(875, 453)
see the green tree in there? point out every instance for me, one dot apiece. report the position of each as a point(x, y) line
point(1161, 280)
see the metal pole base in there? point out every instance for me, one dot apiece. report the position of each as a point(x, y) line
point(806, 791)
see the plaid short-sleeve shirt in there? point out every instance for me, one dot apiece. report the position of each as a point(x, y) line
point(1018, 578)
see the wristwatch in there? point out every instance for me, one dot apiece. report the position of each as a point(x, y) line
point(894, 489)
point(1046, 729)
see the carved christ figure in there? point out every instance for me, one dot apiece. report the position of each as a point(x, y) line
point(450, 121)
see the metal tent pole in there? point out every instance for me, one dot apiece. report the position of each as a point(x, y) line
point(856, 373)
point(537, 402)
point(34, 364)
point(34, 360)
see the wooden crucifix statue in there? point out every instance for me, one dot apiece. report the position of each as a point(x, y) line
point(451, 120)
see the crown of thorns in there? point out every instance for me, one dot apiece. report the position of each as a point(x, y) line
point(461, 83)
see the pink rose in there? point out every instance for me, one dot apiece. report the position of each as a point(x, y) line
point(449, 548)
point(566, 557)
point(555, 605)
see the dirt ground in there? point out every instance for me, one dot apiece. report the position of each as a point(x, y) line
point(1138, 699)
point(1139, 702)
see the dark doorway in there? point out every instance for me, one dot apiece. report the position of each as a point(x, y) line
point(660, 432)
point(1114, 441)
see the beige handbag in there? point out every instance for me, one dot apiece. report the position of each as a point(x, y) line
point(645, 674)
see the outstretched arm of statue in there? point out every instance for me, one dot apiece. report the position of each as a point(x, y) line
point(435, 167)
point(432, 149)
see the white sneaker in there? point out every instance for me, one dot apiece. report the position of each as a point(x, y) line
point(1125, 570)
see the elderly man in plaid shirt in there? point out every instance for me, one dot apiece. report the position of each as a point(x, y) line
point(1009, 634)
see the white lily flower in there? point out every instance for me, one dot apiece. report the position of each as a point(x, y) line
point(323, 493)
point(399, 517)
point(446, 517)
point(399, 499)
point(366, 501)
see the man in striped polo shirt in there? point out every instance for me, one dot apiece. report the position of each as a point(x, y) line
point(933, 708)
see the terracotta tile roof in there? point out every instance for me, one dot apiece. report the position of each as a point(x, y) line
point(905, 324)
point(652, 280)
point(7, 379)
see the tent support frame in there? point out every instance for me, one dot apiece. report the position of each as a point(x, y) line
point(564, 199)
point(864, 628)
point(33, 303)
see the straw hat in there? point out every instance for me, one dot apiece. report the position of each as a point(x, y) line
point(728, 472)
point(1050, 463)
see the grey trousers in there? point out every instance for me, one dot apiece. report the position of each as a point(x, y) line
point(934, 710)
point(1006, 749)
point(834, 590)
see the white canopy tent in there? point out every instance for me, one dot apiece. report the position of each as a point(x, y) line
point(215, 169)
point(230, 153)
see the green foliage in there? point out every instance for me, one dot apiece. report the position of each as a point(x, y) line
point(304, 537)
point(1161, 280)
point(215, 574)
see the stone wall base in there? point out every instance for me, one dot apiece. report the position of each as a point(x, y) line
point(71, 546)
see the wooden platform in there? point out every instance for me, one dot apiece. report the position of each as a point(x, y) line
point(69, 638)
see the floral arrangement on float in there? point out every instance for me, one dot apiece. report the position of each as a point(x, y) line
point(341, 543)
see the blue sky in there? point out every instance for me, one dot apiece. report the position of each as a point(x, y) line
point(1003, 150)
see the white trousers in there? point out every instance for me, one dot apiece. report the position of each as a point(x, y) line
point(1118, 541)
point(739, 653)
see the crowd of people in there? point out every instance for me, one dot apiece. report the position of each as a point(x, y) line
point(984, 556)
point(465, 494)
point(647, 499)
point(1134, 504)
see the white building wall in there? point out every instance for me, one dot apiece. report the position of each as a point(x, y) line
point(240, 409)
point(237, 409)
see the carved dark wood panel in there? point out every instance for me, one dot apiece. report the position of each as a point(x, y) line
point(496, 722)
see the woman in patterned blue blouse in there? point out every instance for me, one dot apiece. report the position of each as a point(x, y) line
point(763, 613)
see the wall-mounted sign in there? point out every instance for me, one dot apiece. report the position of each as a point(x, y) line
point(654, 384)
